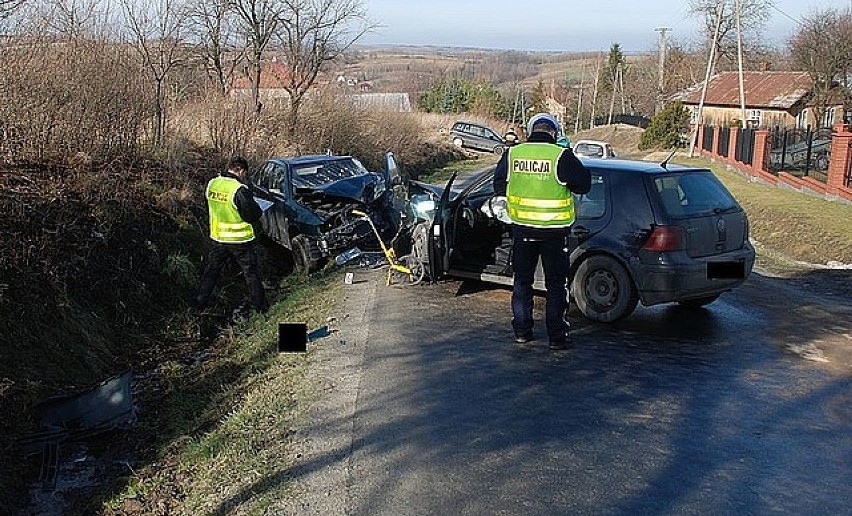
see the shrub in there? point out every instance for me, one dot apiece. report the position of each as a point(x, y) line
point(666, 127)
point(75, 98)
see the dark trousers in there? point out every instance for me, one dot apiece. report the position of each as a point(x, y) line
point(552, 245)
point(246, 257)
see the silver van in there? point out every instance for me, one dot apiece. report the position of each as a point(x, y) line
point(478, 137)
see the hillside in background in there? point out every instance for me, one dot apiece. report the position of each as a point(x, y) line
point(412, 69)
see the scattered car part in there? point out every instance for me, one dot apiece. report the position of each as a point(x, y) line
point(104, 407)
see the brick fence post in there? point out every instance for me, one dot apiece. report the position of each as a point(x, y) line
point(732, 145)
point(760, 160)
point(700, 140)
point(841, 157)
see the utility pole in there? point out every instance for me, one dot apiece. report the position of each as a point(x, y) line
point(739, 5)
point(580, 100)
point(662, 66)
point(710, 60)
point(595, 91)
point(617, 84)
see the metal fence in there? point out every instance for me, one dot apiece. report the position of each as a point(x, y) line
point(744, 153)
point(801, 152)
point(634, 120)
point(724, 141)
point(707, 141)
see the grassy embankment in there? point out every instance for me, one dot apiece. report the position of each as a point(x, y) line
point(479, 161)
point(230, 415)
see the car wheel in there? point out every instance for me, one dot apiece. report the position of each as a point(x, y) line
point(458, 142)
point(420, 241)
point(417, 268)
point(603, 289)
point(307, 256)
point(698, 302)
point(499, 150)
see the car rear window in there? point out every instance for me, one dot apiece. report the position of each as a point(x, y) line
point(693, 193)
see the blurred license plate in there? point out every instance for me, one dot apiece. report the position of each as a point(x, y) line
point(725, 270)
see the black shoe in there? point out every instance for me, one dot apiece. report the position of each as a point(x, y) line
point(523, 338)
point(559, 344)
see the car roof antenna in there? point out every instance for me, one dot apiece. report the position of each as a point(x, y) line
point(665, 162)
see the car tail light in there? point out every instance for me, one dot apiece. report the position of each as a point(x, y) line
point(664, 239)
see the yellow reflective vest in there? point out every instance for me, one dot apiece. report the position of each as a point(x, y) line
point(534, 195)
point(226, 224)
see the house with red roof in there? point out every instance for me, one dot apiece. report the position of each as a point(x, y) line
point(772, 99)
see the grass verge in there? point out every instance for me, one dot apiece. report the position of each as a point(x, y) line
point(789, 226)
point(230, 416)
point(441, 175)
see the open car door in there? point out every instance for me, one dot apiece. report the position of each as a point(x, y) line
point(440, 240)
point(397, 181)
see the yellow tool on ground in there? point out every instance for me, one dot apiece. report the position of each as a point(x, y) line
point(409, 269)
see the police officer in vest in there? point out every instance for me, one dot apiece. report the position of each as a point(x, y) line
point(538, 179)
point(232, 210)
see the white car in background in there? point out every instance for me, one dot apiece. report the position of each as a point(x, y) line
point(593, 149)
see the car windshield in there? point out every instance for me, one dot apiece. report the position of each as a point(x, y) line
point(693, 193)
point(312, 175)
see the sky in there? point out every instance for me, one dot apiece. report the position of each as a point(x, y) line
point(558, 25)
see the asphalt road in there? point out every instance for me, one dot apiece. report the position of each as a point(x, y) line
point(425, 406)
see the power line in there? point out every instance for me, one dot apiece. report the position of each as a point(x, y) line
point(796, 20)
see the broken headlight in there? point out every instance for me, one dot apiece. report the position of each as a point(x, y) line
point(423, 206)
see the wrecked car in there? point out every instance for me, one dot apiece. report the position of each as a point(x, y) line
point(312, 198)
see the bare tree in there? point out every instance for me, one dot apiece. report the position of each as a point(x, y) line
point(213, 26)
point(823, 48)
point(753, 17)
point(258, 19)
point(314, 32)
point(7, 7)
point(73, 19)
point(158, 29)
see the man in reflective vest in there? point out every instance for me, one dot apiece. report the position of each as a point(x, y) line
point(233, 210)
point(538, 179)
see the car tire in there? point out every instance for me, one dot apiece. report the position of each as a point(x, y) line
point(603, 289)
point(698, 302)
point(420, 241)
point(417, 268)
point(307, 256)
point(458, 142)
point(499, 150)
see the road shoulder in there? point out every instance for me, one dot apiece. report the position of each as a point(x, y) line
point(324, 430)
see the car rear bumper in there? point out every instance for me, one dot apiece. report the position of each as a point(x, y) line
point(669, 277)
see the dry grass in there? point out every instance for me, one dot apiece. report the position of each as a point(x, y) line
point(235, 464)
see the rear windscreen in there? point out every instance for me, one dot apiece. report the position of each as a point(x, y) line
point(693, 193)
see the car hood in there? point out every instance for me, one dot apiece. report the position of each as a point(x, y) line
point(360, 188)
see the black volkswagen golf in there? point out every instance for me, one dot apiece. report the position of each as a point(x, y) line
point(645, 232)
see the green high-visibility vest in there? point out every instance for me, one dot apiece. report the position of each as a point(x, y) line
point(534, 195)
point(226, 224)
